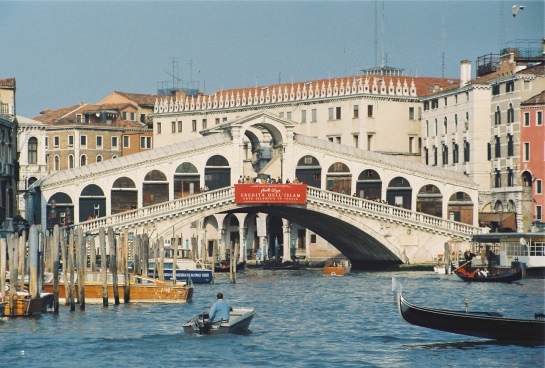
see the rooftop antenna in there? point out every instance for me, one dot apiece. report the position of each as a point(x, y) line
point(376, 32)
point(174, 73)
point(443, 51)
point(382, 38)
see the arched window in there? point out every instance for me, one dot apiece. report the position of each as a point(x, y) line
point(456, 122)
point(427, 129)
point(70, 161)
point(83, 160)
point(33, 150)
point(445, 126)
point(56, 163)
point(99, 158)
point(436, 128)
point(510, 114)
point(497, 116)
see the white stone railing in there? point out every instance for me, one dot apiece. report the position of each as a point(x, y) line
point(367, 206)
point(227, 195)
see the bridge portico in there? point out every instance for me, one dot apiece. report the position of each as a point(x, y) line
point(160, 189)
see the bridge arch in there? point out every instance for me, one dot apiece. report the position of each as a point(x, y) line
point(460, 208)
point(155, 188)
point(92, 203)
point(60, 210)
point(399, 193)
point(124, 195)
point(186, 180)
point(369, 185)
point(309, 171)
point(429, 200)
point(217, 173)
point(339, 178)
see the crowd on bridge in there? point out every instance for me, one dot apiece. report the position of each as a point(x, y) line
point(268, 180)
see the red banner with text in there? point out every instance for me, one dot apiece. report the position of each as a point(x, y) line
point(271, 193)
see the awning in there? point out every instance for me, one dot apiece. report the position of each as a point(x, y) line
point(507, 219)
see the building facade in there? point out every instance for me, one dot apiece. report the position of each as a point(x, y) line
point(8, 154)
point(532, 152)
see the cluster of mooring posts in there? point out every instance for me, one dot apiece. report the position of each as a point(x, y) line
point(38, 260)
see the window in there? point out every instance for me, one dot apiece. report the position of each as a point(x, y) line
point(510, 145)
point(338, 113)
point(539, 213)
point(510, 114)
point(495, 89)
point(426, 105)
point(489, 148)
point(369, 111)
point(356, 140)
point(338, 140)
point(126, 141)
point(78, 118)
point(426, 155)
point(194, 125)
point(445, 127)
point(526, 152)
point(46, 142)
point(70, 161)
point(114, 142)
point(539, 118)
point(330, 139)
point(179, 126)
point(133, 116)
point(143, 118)
point(56, 140)
point(158, 128)
point(173, 127)
point(445, 101)
point(99, 141)
point(436, 128)
point(454, 153)
point(427, 129)
point(330, 113)
point(497, 179)
point(497, 147)
point(411, 113)
point(356, 112)
point(369, 142)
point(217, 121)
point(224, 120)
point(510, 178)
point(56, 163)
point(303, 116)
point(510, 86)
point(539, 187)
point(124, 115)
point(87, 119)
point(466, 151)
point(145, 142)
point(204, 123)
point(411, 143)
point(281, 114)
point(434, 156)
point(33, 150)
point(314, 119)
point(83, 141)
point(445, 154)
point(288, 115)
point(497, 116)
point(455, 123)
point(526, 119)
point(313, 238)
point(83, 160)
point(70, 141)
point(455, 99)
point(99, 158)
point(435, 103)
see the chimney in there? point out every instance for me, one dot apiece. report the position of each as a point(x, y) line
point(465, 72)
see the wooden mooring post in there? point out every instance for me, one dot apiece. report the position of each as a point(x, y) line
point(113, 263)
point(174, 257)
point(126, 289)
point(33, 260)
point(56, 265)
point(82, 266)
point(3, 250)
point(103, 265)
point(12, 250)
point(161, 259)
point(70, 267)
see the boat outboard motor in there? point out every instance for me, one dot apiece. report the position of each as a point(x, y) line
point(204, 324)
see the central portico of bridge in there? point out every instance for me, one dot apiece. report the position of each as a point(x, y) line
point(374, 208)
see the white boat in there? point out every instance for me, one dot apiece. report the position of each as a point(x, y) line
point(186, 268)
point(239, 321)
point(441, 270)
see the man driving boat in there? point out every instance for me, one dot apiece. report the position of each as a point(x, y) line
point(220, 310)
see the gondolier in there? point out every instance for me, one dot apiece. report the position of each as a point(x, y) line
point(468, 257)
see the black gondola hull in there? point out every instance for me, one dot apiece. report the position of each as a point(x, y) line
point(508, 277)
point(488, 325)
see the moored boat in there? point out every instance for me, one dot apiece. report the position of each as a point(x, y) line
point(279, 265)
point(490, 325)
point(337, 267)
point(477, 276)
point(239, 322)
point(23, 306)
point(224, 266)
point(186, 268)
point(142, 289)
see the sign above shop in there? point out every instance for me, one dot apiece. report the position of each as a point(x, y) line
point(271, 193)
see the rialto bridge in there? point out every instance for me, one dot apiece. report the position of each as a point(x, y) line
point(375, 209)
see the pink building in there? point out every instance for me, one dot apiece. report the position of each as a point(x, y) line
point(532, 138)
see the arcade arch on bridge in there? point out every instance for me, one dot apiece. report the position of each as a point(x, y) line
point(429, 200)
point(309, 171)
point(369, 185)
point(339, 178)
point(155, 188)
point(60, 210)
point(399, 193)
point(186, 180)
point(124, 195)
point(92, 203)
point(217, 173)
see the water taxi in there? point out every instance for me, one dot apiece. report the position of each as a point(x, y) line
point(186, 268)
point(337, 267)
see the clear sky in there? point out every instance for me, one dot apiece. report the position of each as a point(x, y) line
point(65, 52)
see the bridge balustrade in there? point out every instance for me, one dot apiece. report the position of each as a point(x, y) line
point(227, 194)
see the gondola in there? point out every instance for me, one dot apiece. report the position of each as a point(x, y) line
point(473, 277)
point(490, 325)
point(225, 267)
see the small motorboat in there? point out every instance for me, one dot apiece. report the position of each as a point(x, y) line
point(477, 276)
point(337, 267)
point(239, 321)
point(440, 269)
point(490, 325)
point(224, 266)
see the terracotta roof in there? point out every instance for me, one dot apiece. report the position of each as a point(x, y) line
point(537, 99)
point(140, 99)
point(49, 116)
point(7, 82)
point(536, 70)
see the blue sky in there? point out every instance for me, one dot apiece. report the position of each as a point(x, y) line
point(65, 52)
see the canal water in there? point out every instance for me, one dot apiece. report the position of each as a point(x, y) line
point(303, 319)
